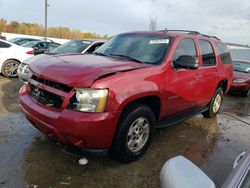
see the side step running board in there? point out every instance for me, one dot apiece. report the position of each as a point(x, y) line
point(182, 117)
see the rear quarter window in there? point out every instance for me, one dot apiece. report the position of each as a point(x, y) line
point(224, 53)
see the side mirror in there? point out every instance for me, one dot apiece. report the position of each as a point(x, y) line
point(179, 172)
point(186, 62)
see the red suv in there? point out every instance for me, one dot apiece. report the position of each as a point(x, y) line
point(114, 98)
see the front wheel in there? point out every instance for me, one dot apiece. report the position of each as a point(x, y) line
point(9, 68)
point(215, 104)
point(134, 133)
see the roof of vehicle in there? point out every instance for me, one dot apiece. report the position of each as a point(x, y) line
point(175, 33)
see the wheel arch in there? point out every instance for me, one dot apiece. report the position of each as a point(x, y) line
point(224, 85)
point(152, 101)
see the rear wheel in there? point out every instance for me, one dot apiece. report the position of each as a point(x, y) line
point(134, 133)
point(246, 93)
point(9, 68)
point(215, 104)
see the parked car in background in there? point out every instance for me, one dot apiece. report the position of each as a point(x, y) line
point(21, 40)
point(70, 47)
point(29, 44)
point(241, 77)
point(179, 172)
point(114, 98)
point(40, 47)
point(44, 47)
point(78, 46)
point(11, 55)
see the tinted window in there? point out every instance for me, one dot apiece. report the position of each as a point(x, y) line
point(4, 45)
point(224, 53)
point(185, 47)
point(207, 53)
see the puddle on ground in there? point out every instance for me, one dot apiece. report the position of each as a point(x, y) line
point(47, 166)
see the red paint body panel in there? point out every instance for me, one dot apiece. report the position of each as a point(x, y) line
point(177, 90)
point(80, 71)
point(90, 130)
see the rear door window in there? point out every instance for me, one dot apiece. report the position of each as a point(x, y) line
point(207, 52)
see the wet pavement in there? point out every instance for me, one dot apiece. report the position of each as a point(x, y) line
point(29, 159)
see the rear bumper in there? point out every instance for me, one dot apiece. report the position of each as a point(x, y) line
point(85, 130)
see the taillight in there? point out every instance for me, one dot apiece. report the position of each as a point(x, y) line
point(30, 52)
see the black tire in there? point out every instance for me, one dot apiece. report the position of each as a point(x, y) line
point(246, 93)
point(211, 112)
point(6, 70)
point(130, 117)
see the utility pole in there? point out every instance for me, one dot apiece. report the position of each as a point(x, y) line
point(46, 6)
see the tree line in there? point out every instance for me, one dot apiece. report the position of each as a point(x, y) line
point(38, 30)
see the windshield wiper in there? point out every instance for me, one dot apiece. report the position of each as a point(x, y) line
point(99, 53)
point(127, 57)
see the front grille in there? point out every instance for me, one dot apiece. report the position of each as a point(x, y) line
point(46, 98)
point(62, 87)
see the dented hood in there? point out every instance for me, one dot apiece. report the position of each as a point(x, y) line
point(79, 70)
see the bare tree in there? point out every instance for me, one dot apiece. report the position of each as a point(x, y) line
point(152, 22)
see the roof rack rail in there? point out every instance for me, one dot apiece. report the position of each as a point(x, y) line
point(190, 32)
point(183, 31)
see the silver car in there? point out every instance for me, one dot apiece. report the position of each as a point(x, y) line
point(179, 172)
point(70, 47)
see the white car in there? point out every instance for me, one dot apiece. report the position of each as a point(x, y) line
point(179, 172)
point(71, 47)
point(11, 55)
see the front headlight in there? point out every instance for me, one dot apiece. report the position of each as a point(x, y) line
point(89, 100)
point(239, 81)
point(26, 69)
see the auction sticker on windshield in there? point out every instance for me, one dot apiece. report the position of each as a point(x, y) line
point(159, 41)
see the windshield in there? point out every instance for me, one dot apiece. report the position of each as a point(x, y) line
point(241, 66)
point(71, 47)
point(144, 48)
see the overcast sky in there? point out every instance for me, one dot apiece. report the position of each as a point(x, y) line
point(227, 19)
